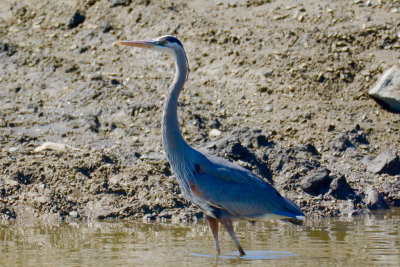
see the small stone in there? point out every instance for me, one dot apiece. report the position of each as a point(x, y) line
point(374, 199)
point(387, 89)
point(331, 128)
point(339, 188)
point(262, 140)
point(96, 77)
point(316, 183)
point(268, 108)
point(77, 18)
point(114, 3)
point(106, 27)
point(7, 48)
point(387, 162)
point(13, 149)
point(268, 73)
point(74, 214)
point(214, 133)
point(50, 146)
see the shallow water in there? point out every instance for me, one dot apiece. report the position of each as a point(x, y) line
point(368, 240)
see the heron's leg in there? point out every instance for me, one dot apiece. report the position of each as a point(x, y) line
point(228, 226)
point(214, 229)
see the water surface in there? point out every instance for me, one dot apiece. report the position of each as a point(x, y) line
point(368, 240)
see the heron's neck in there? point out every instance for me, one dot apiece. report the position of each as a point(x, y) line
point(172, 138)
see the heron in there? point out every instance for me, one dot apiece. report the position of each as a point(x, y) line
point(223, 190)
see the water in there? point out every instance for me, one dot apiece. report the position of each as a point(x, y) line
point(369, 240)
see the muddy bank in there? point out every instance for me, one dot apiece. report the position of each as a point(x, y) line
point(285, 84)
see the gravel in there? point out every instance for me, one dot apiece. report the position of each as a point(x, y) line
point(281, 85)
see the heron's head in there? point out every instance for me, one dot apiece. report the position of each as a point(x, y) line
point(167, 44)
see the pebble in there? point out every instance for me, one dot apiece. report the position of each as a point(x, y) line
point(50, 146)
point(13, 149)
point(339, 188)
point(375, 199)
point(114, 3)
point(214, 133)
point(268, 108)
point(316, 183)
point(74, 214)
point(77, 18)
point(268, 73)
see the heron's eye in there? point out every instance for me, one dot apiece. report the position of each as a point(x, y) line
point(164, 42)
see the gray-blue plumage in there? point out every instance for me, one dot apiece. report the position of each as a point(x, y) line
point(223, 190)
point(226, 190)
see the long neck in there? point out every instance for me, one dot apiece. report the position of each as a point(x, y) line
point(172, 138)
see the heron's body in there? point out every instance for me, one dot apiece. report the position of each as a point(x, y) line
point(223, 190)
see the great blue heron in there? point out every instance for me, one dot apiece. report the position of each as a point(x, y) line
point(223, 190)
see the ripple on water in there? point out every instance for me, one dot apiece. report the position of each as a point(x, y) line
point(251, 255)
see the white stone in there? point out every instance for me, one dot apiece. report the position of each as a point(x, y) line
point(268, 108)
point(51, 146)
point(387, 89)
point(214, 133)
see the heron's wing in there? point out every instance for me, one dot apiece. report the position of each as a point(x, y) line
point(238, 191)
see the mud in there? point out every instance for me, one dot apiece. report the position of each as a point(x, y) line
point(285, 83)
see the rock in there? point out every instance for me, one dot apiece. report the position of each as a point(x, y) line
point(237, 150)
point(349, 139)
point(214, 133)
point(316, 183)
point(374, 199)
point(387, 162)
point(308, 148)
point(8, 212)
point(114, 3)
point(268, 108)
point(387, 89)
point(7, 48)
point(349, 208)
point(262, 140)
point(74, 214)
point(339, 188)
point(77, 18)
point(51, 146)
point(13, 149)
point(106, 27)
point(340, 143)
point(268, 73)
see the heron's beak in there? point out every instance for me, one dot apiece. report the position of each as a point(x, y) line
point(143, 44)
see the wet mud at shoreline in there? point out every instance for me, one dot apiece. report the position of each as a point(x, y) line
point(281, 86)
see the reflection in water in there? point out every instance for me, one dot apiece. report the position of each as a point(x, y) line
point(250, 255)
point(369, 240)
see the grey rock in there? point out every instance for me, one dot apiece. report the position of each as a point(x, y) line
point(268, 73)
point(7, 48)
point(77, 18)
point(339, 188)
point(308, 148)
point(74, 214)
point(349, 208)
point(106, 27)
point(374, 199)
point(387, 162)
point(387, 89)
point(349, 139)
point(114, 3)
point(317, 182)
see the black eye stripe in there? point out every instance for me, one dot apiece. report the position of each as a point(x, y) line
point(172, 39)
